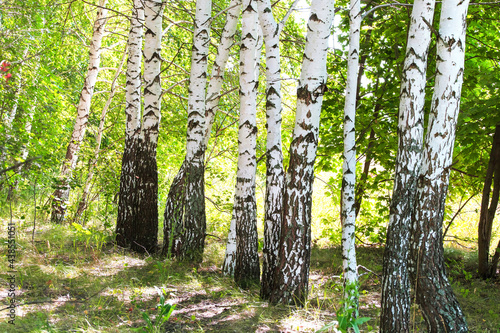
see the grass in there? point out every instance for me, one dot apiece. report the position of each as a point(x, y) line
point(70, 280)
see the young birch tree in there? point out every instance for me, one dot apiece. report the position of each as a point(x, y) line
point(177, 196)
point(349, 166)
point(488, 209)
point(125, 225)
point(275, 175)
point(434, 294)
point(145, 237)
point(295, 245)
point(82, 205)
point(61, 194)
point(244, 219)
point(395, 316)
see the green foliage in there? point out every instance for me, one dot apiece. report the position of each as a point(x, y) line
point(348, 313)
point(164, 311)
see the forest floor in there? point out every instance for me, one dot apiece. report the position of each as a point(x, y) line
point(73, 280)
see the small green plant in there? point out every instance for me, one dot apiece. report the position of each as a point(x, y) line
point(164, 311)
point(348, 314)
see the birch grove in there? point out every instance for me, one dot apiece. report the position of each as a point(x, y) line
point(350, 269)
point(61, 194)
point(433, 292)
point(127, 200)
point(395, 316)
point(295, 243)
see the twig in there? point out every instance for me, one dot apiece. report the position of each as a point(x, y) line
point(369, 271)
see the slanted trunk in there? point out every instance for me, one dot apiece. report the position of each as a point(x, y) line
point(295, 244)
point(82, 205)
point(488, 208)
point(395, 315)
point(349, 265)
point(61, 194)
point(434, 294)
point(186, 196)
point(246, 259)
point(275, 175)
point(125, 224)
point(145, 238)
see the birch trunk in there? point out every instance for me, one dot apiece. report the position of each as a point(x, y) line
point(61, 194)
point(275, 175)
point(175, 207)
point(185, 220)
point(295, 244)
point(82, 205)
point(434, 294)
point(349, 166)
point(246, 259)
point(9, 120)
point(395, 316)
point(125, 224)
point(488, 209)
point(145, 238)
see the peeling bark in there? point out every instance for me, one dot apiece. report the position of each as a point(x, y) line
point(434, 294)
point(145, 238)
point(349, 264)
point(246, 259)
point(186, 196)
point(61, 194)
point(275, 174)
point(395, 315)
point(125, 224)
point(295, 244)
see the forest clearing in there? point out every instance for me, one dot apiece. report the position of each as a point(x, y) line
point(249, 166)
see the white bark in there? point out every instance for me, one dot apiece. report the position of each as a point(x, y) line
point(128, 175)
point(349, 166)
point(180, 202)
point(145, 236)
point(292, 283)
point(100, 131)
point(433, 291)
point(227, 41)
point(395, 283)
point(153, 10)
point(62, 194)
point(9, 119)
point(275, 176)
point(244, 209)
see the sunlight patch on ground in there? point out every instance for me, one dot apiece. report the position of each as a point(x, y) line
point(113, 265)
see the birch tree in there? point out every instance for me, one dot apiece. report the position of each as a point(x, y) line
point(179, 201)
point(295, 242)
point(275, 175)
point(145, 236)
point(126, 206)
point(349, 164)
point(61, 194)
point(395, 316)
point(82, 205)
point(244, 219)
point(434, 294)
point(185, 224)
point(489, 206)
